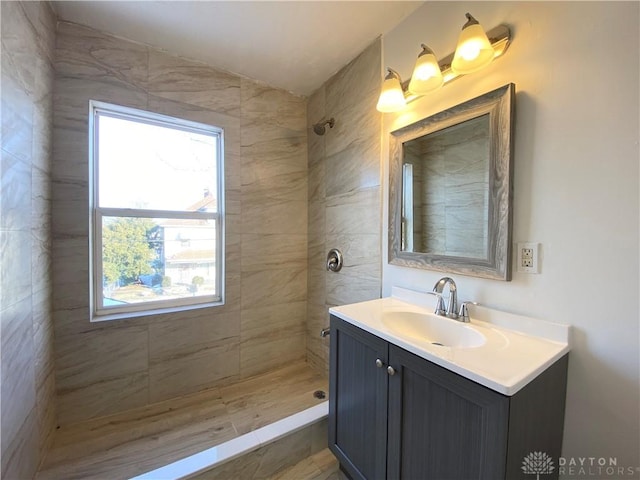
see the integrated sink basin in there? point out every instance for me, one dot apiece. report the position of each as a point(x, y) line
point(433, 329)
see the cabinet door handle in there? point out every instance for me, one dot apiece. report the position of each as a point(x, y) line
point(379, 363)
point(390, 370)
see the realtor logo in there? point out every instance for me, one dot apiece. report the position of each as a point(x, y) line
point(537, 463)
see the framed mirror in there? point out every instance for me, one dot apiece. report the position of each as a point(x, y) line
point(451, 189)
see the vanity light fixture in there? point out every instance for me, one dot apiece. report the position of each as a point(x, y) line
point(392, 94)
point(471, 55)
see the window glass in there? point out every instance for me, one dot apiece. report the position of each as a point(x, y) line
point(157, 221)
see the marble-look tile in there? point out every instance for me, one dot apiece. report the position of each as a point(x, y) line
point(17, 118)
point(15, 276)
point(274, 287)
point(20, 452)
point(70, 157)
point(194, 369)
point(263, 160)
point(70, 271)
point(353, 152)
point(265, 461)
point(70, 214)
point(321, 465)
point(42, 331)
point(282, 188)
point(353, 213)
point(317, 362)
point(272, 106)
point(316, 272)
point(317, 180)
point(316, 105)
point(43, 20)
point(88, 54)
point(41, 196)
point(275, 212)
point(17, 352)
point(191, 82)
point(357, 127)
point(179, 336)
point(345, 288)
point(46, 411)
point(19, 42)
point(232, 173)
point(107, 396)
point(355, 81)
point(15, 185)
point(317, 346)
point(316, 223)
point(95, 356)
point(261, 400)
point(71, 99)
point(273, 251)
point(41, 259)
point(272, 336)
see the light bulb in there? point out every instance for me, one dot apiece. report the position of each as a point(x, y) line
point(474, 51)
point(427, 76)
point(391, 95)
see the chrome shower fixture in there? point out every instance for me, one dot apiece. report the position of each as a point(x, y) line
point(320, 128)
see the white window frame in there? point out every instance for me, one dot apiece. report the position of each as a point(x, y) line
point(97, 213)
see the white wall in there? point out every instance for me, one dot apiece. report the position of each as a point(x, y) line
point(575, 67)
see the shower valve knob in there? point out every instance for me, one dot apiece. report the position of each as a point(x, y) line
point(334, 260)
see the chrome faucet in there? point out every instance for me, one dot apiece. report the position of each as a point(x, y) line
point(451, 310)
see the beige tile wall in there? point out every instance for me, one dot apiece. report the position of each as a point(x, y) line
point(344, 195)
point(28, 404)
point(112, 366)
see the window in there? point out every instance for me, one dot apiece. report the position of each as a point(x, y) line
point(157, 225)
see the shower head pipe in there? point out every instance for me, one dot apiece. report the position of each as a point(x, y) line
point(320, 128)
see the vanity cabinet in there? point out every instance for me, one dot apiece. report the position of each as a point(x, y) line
point(395, 415)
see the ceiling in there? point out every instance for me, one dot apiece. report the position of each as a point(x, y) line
point(293, 45)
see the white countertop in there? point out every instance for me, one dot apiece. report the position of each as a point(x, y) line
point(517, 348)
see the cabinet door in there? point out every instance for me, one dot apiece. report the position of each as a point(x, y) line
point(441, 425)
point(358, 400)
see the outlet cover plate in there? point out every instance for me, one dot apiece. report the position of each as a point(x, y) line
point(528, 257)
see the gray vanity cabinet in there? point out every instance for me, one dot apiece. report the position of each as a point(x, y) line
point(394, 415)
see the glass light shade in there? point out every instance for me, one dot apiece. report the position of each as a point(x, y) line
point(427, 76)
point(474, 51)
point(391, 95)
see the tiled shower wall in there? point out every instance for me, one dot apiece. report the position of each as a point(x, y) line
point(28, 413)
point(113, 366)
point(344, 195)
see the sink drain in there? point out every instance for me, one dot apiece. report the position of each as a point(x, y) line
point(320, 394)
point(436, 343)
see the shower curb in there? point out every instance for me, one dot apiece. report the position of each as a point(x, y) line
point(206, 461)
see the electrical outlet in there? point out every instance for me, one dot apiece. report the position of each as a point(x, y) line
point(528, 257)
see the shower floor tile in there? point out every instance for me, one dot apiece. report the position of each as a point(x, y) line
point(123, 445)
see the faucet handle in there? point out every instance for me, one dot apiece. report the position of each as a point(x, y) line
point(440, 308)
point(464, 311)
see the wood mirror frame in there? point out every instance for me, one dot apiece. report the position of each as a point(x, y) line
point(499, 106)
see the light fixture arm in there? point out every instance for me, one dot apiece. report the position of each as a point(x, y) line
point(470, 21)
point(425, 50)
point(393, 74)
